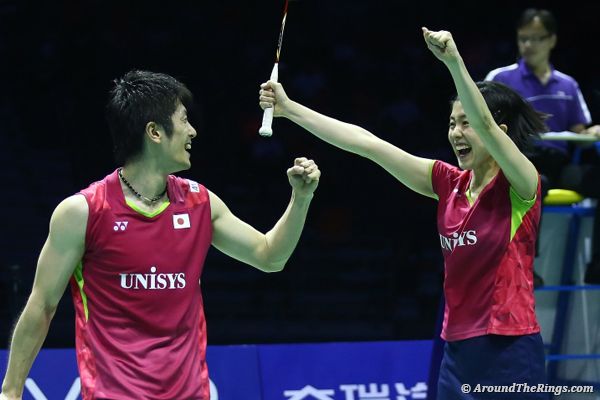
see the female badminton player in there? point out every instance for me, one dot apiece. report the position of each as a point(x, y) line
point(488, 214)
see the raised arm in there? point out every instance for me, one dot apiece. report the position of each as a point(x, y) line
point(62, 251)
point(267, 252)
point(519, 171)
point(412, 171)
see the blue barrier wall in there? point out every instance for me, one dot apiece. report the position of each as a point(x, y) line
point(326, 371)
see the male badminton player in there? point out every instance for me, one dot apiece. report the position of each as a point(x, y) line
point(132, 246)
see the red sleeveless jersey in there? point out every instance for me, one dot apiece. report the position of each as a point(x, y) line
point(140, 326)
point(488, 248)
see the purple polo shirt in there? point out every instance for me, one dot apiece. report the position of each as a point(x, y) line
point(560, 96)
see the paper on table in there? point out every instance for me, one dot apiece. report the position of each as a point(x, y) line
point(568, 136)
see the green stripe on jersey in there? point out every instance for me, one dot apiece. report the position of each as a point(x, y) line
point(519, 208)
point(147, 214)
point(469, 197)
point(78, 274)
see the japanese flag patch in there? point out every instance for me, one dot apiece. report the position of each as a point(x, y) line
point(181, 221)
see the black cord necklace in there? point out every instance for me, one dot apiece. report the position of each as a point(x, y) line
point(138, 194)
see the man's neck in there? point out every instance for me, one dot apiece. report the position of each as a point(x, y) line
point(541, 70)
point(145, 178)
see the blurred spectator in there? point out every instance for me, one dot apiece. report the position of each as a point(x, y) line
point(549, 91)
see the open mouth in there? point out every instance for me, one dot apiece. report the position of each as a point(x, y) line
point(463, 150)
point(188, 146)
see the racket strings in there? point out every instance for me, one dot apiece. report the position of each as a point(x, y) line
point(280, 41)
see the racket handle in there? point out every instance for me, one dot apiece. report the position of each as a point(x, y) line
point(265, 129)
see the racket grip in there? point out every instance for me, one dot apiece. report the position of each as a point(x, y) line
point(265, 129)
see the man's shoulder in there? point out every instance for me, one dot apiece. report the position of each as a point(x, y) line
point(99, 185)
point(71, 212)
point(186, 184)
point(567, 79)
point(97, 193)
point(186, 190)
point(502, 73)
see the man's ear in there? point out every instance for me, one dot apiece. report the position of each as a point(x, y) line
point(154, 132)
point(553, 40)
point(503, 127)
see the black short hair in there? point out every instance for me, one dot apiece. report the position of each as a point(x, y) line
point(546, 18)
point(508, 107)
point(137, 98)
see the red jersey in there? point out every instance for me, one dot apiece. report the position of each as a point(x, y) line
point(488, 248)
point(140, 326)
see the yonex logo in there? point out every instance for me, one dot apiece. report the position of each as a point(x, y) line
point(120, 225)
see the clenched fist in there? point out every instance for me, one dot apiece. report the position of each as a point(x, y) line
point(304, 176)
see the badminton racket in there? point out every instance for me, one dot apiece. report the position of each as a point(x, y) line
point(265, 129)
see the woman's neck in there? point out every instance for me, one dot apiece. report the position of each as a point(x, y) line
point(481, 177)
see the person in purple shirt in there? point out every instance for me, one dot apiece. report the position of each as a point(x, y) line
point(535, 78)
point(557, 95)
point(547, 89)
